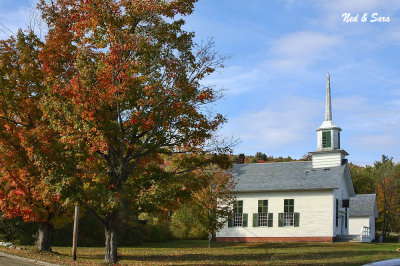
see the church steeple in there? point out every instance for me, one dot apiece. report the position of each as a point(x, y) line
point(328, 138)
point(328, 107)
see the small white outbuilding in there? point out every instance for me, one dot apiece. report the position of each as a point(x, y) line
point(363, 212)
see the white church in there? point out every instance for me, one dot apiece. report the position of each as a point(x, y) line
point(298, 201)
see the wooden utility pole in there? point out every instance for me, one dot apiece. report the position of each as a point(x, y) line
point(75, 233)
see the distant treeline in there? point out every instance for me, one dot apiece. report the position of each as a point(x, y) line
point(260, 157)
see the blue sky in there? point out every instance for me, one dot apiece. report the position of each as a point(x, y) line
point(275, 80)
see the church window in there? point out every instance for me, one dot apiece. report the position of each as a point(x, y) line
point(326, 139)
point(262, 218)
point(262, 206)
point(289, 205)
point(238, 206)
point(288, 217)
point(288, 212)
point(239, 218)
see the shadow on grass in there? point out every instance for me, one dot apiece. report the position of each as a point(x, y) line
point(256, 245)
point(314, 258)
point(204, 244)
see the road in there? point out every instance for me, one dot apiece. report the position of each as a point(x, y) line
point(10, 260)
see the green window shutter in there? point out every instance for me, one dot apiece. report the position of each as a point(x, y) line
point(326, 139)
point(245, 218)
point(255, 219)
point(270, 219)
point(230, 222)
point(296, 219)
point(280, 219)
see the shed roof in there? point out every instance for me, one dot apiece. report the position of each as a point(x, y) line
point(286, 176)
point(363, 205)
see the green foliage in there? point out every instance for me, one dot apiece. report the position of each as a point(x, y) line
point(261, 156)
point(90, 232)
point(364, 179)
point(133, 232)
point(253, 160)
point(17, 231)
point(212, 204)
point(159, 232)
point(185, 223)
point(155, 227)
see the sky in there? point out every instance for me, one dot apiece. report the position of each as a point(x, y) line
point(275, 79)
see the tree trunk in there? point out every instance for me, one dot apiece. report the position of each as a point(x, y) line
point(210, 237)
point(111, 254)
point(45, 234)
point(384, 224)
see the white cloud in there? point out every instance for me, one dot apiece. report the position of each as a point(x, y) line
point(284, 122)
point(361, 114)
point(300, 49)
point(376, 142)
point(394, 34)
point(370, 128)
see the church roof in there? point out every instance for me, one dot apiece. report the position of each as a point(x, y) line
point(363, 205)
point(286, 176)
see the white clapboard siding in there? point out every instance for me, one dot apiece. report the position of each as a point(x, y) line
point(357, 224)
point(340, 194)
point(315, 208)
point(327, 160)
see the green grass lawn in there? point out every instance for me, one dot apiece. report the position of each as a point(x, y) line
point(196, 252)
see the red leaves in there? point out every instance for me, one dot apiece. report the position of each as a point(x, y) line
point(27, 142)
point(205, 96)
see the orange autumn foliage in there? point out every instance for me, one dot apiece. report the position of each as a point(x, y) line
point(29, 148)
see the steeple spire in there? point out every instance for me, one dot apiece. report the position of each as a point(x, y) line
point(328, 152)
point(328, 108)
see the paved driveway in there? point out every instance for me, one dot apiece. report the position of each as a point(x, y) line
point(11, 260)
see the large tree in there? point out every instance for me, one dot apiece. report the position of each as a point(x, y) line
point(32, 158)
point(388, 194)
point(123, 81)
